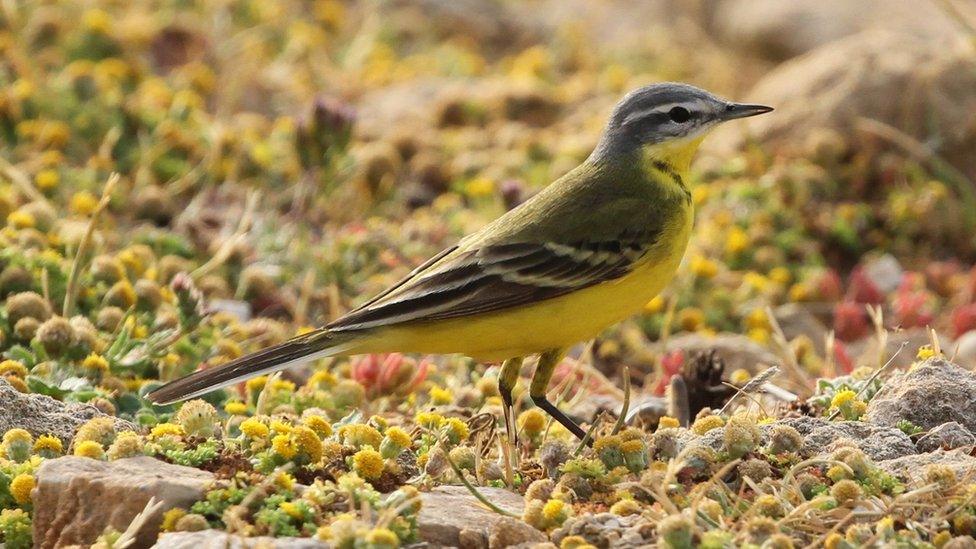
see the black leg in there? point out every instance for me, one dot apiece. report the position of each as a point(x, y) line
point(540, 382)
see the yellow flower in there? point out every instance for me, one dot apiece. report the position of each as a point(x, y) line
point(668, 422)
point(308, 443)
point(20, 488)
point(532, 421)
point(740, 377)
point(553, 509)
point(285, 481)
point(95, 363)
point(90, 449)
point(321, 378)
point(280, 426)
point(457, 430)
point(235, 408)
point(925, 352)
point(291, 510)
point(359, 434)
point(703, 267)
point(757, 319)
point(47, 180)
point(253, 428)
point(319, 424)
point(20, 219)
point(480, 187)
point(256, 384)
point(96, 21)
point(780, 275)
point(691, 319)
point(759, 335)
point(13, 368)
point(166, 429)
point(843, 397)
point(284, 446)
point(382, 537)
point(368, 463)
point(737, 241)
point(48, 444)
point(171, 517)
point(705, 424)
point(399, 437)
point(17, 435)
point(429, 420)
point(440, 396)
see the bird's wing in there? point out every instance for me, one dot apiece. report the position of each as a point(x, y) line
point(489, 277)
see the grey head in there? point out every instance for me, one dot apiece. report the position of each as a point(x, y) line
point(667, 112)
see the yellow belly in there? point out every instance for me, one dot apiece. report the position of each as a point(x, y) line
point(553, 323)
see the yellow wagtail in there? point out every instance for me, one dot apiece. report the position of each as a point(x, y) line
point(584, 253)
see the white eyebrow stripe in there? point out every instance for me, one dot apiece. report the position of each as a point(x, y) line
point(692, 106)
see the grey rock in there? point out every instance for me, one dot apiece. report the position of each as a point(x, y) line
point(215, 539)
point(838, 86)
point(777, 30)
point(947, 436)
point(452, 517)
point(877, 441)
point(913, 467)
point(935, 392)
point(77, 498)
point(608, 530)
point(43, 415)
point(885, 272)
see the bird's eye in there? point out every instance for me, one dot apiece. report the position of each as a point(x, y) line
point(679, 114)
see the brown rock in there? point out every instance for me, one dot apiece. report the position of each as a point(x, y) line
point(77, 498)
point(42, 415)
point(509, 531)
point(451, 516)
point(215, 539)
point(777, 30)
point(736, 351)
point(844, 83)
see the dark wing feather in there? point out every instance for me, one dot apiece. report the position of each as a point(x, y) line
point(496, 277)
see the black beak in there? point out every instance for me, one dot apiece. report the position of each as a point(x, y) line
point(741, 110)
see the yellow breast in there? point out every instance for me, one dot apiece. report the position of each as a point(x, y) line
point(557, 322)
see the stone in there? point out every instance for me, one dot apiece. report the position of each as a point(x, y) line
point(965, 348)
point(736, 351)
point(77, 498)
point(452, 517)
point(845, 86)
point(43, 415)
point(934, 392)
point(215, 539)
point(796, 319)
point(877, 441)
point(947, 436)
point(885, 272)
point(608, 530)
point(913, 467)
point(508, 532)
point(777, 30)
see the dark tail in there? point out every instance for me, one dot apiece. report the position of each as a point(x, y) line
point(300, 349)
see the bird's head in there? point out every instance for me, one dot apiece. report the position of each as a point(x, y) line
point(668, 121)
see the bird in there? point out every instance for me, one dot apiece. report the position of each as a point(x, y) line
point(587, 251)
